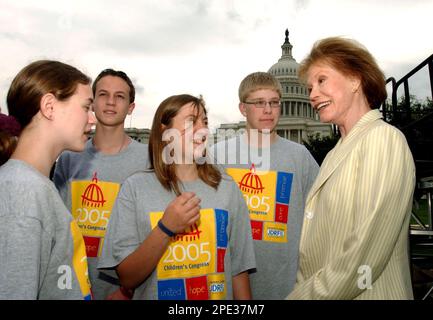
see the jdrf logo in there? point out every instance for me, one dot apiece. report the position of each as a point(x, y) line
point(217, 288)
point(275, 233)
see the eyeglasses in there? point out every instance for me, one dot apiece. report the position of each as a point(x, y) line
point(262, 104)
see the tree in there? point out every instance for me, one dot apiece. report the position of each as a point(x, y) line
point(403, 115)
point(320, 146)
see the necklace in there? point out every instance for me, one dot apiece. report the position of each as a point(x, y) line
point(123, 144)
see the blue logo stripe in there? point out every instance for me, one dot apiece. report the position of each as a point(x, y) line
point(222, 219)
point(171, 290)
point(284, 187)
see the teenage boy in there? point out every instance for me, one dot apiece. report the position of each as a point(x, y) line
point(274, 175)
point(89, 181)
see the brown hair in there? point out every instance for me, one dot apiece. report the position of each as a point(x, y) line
point(120, 74)
point(257, 81)
point(165, 173)
point(8, 144)
point(351, 59)
point(39, 78)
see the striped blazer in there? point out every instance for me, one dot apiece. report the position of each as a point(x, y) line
point(354, 242)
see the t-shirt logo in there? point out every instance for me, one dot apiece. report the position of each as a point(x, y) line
point(267, 195)
point(79, 261)
point(192, 268)
point(92, 202)
point(251, 182)
point(190, 234)
point(93, 195)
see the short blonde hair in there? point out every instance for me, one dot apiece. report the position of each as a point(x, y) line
point(257, 81)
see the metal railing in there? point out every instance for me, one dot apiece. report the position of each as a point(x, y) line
point(403, 118)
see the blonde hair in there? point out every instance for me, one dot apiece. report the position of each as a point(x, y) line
point(257, 81)
point(351, 59)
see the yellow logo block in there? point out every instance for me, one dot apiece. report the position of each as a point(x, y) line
point(92, 202)
point(191, 253)
point(275, 232)
point(217, 286)
point(79, 261)
point(258, 189)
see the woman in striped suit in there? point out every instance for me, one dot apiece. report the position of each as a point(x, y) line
point(354, 243)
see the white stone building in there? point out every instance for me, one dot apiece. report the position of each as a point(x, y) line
point(298, 119)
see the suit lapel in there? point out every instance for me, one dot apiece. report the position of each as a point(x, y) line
point(343, 148)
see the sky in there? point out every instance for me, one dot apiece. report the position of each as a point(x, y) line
point(205, 47)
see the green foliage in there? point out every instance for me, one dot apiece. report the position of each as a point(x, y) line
point(405, 114)
point(320, 146)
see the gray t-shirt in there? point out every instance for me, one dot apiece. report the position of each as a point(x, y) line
point(275, 190)
point(42, 253)
point(88, 183)
point(200, 262)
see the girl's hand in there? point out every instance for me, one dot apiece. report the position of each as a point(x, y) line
point(182, 212)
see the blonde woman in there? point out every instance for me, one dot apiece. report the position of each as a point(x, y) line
point(354, 238)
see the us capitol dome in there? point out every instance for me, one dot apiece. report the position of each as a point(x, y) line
point(298, 119)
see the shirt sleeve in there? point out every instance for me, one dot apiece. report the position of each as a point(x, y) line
point(310, 172)
point(20, 246)
point(385, 179)
point(122, 237)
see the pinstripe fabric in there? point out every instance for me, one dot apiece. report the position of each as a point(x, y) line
point(357, 217)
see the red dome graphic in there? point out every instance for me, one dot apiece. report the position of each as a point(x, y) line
point(251, 182)
point(93, 196)
point(190, 235)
